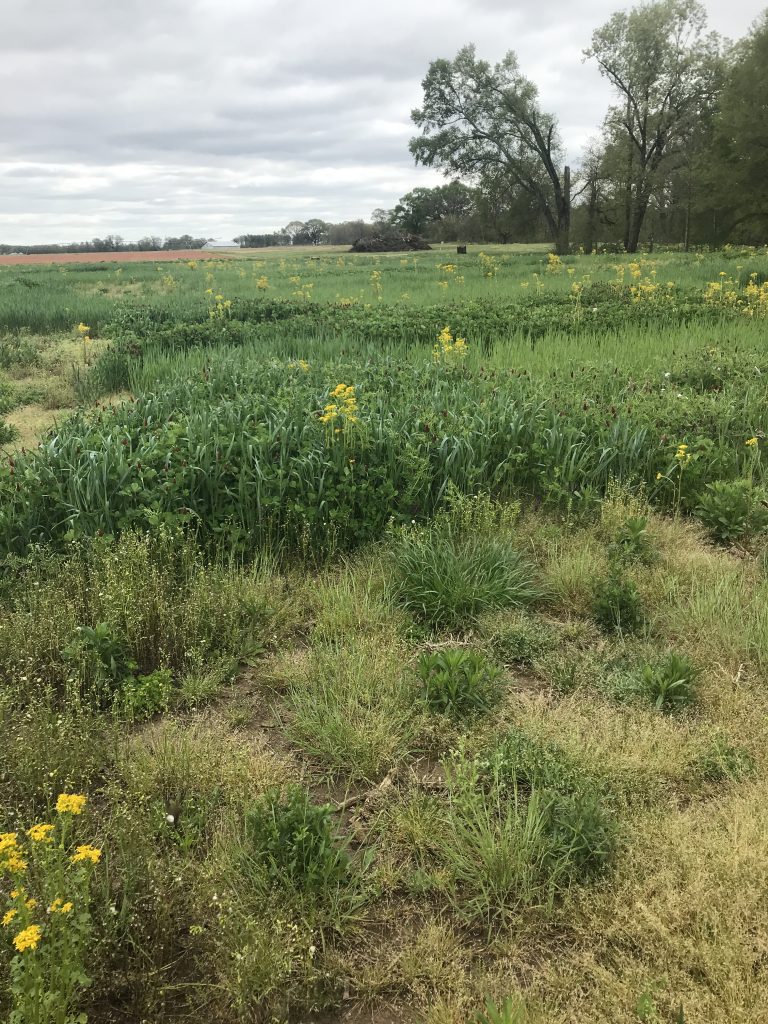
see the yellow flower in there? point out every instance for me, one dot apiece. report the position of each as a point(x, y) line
point(751, 443)
point(31, 903)
point(659, 476)
point(14, 863)
point(83, 329)
point(41, 833)
point(8, 917)
point(29, 938)
point(60, 907)
point(8, 841)
point(71, 803)
point(86, 852)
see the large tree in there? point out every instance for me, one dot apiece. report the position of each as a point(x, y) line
point(739, 168)
point(482, 121)
point(666, 72)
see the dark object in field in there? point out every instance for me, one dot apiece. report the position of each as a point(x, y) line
point(390, 243)
point(461, 250)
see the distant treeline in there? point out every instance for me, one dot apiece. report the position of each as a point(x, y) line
point(112, 243)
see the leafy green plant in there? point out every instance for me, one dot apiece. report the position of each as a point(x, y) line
point(144, 696)
point(446, 582)
point(616, 605)
point(733, 509)
point(102, 658)
point(671, 684)
point(294, 841)
point(457, 681)
point(510, 1011)
point(632, 542)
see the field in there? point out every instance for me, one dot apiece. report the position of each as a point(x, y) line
point(385, 638)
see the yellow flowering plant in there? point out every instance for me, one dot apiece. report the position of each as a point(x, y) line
point(46, 921)
point(449, 350)
point(340, 413)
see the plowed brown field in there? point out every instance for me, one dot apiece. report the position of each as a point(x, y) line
point(163, 255)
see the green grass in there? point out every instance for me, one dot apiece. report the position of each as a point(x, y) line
point(353, 742)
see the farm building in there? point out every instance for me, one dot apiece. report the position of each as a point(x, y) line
point(215, 243)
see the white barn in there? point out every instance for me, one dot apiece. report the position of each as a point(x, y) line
point(216, 243)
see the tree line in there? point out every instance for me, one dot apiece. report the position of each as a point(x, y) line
point(111, 243)
point(682, 153)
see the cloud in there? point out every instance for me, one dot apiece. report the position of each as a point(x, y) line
point(223, 116)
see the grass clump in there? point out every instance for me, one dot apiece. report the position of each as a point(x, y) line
point(446, 581)
point(507, 845)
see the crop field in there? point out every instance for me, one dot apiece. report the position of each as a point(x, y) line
point(385, 638)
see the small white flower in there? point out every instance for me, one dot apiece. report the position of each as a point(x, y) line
point(170, 819)
point(667, 374)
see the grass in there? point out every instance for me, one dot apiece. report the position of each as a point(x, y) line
point(393, 760)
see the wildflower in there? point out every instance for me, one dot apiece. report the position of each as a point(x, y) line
point(29, 938)
point(9, 916)
point(751, 442)
point(86, 852)
point(659, 476)
point(31, 903)
point(60, 907)
point(14, 863)
point(41, 833)
point(83, 329)
point(8, 841)
point(71, 803)
point(681, 453)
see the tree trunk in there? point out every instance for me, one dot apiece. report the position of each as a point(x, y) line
point(563, 233)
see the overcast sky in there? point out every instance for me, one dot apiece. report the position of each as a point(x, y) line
point(216, 117)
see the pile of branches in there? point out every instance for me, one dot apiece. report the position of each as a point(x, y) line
point(390, 243)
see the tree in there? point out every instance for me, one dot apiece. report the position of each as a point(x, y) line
point(477, 120)
point(505, 210)
point(665, 72)
point(422, 208)
point(294, 229)
point(316, 231)
point(739, 168)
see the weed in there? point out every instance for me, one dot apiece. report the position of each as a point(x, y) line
point(671, 684)
point(733, 509)
point(457, 681)
point(616, 605)
point(294, 841)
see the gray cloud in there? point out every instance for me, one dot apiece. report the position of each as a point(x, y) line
point(222, 116)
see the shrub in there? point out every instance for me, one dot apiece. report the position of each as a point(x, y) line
point(294, 841)
point(670, 685)
point(733, 509)
point(457, 681)
point(616, 605)
point(446, 582)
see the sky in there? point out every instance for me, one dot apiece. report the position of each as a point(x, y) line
point(220, 117)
